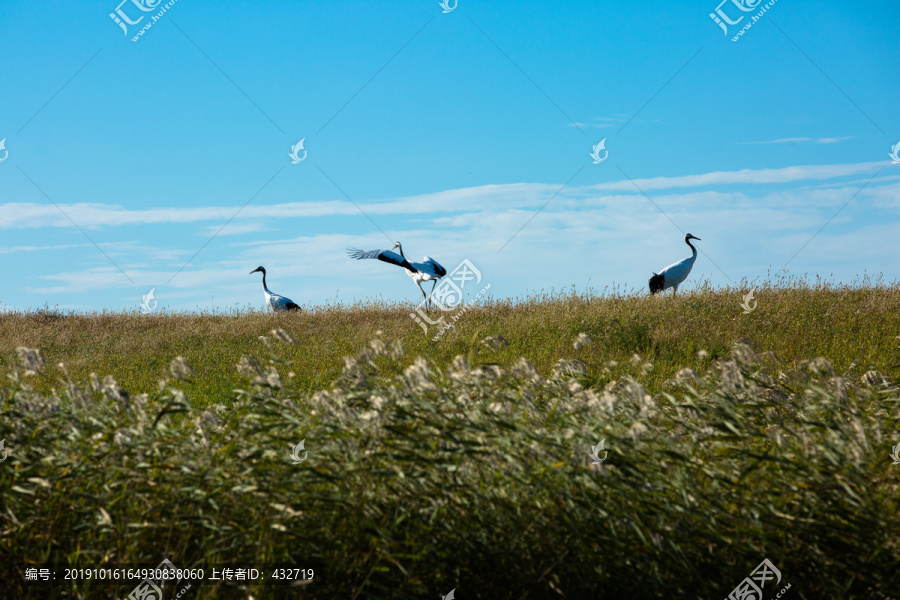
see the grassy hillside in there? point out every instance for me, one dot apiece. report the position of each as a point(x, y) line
point(852, 326)
point(464, 462)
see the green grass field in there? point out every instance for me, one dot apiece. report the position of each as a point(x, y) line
point(464, 462)
point(797, 322)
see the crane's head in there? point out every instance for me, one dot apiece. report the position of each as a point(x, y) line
point(257, 269)
point(691, 236)
point(396, 245)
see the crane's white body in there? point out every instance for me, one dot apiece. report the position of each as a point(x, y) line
point(427, 270)
point(673, 275)
point(420, 272)
point(274, 301)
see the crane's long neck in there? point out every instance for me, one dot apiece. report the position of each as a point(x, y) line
point(264, 282)
point(693, 250)
point(400, 248)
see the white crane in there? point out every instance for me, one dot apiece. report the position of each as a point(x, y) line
point(427, 270)
point(274, 301)
point(674, 274)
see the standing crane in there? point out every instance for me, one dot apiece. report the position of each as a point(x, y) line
point(427, 270)
point(673, 275)
point(274, 301)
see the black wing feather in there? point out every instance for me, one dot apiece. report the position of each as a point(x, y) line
point(382, 255)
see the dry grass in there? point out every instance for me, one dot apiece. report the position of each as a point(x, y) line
point(856, 327)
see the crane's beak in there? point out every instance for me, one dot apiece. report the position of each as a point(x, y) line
point(254, 271)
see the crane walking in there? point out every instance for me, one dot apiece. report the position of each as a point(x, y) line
point(274, 301)
point(673, 275)
point(427, 270)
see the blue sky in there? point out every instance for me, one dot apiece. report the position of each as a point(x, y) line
point(163, 163)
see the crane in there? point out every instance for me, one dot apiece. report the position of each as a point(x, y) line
point(274, 301)
point(427, 270)
point(673, 275)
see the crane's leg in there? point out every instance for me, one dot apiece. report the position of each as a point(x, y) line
point(433, 285)
point(424, 295)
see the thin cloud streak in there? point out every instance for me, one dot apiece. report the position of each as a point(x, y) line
point(20, 215)
point(746, 176)
point(824, 140)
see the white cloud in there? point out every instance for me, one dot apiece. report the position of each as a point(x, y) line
point(16, 249)
point(600, 125)
point(497, 197)
point(823, 140)
point(747, 176)
point(232, 229)
point(597, 233)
